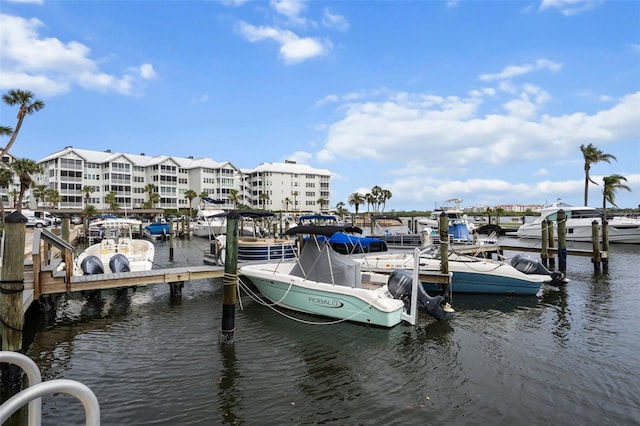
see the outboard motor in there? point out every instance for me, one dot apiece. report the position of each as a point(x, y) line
point(400, 284)
point(119, 263)
point(527, 265)
point(92, 265)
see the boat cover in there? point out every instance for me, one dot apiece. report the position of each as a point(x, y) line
point(319, 262)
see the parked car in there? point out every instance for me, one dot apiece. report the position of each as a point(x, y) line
point(76, 220)
point(35, 222)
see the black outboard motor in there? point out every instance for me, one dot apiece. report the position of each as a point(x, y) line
point(527, 265)
point(119, 263)
point(92, 265)
point(400, 284)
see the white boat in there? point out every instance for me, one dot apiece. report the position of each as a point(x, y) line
point(323, 282)
point(460, 227)
point(117, 251)
point(210, 220)
point(523, 276)
point(579, 222)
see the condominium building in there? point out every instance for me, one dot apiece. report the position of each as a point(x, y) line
point(134, 177)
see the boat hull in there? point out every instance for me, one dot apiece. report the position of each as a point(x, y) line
point(327, 300)
point(468, 277)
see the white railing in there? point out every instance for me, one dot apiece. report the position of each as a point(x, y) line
point(36, 389)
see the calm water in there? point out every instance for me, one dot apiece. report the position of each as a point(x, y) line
point(569, 357)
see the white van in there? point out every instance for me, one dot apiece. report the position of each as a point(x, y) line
point(42, 215)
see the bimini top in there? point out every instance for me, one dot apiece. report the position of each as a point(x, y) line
point(252, 214)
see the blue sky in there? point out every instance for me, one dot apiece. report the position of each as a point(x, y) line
point(487, 101)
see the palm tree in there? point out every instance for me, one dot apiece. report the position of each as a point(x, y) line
point(234, 197)
point(264, 197)
point(53, 196)
point(322, 202)
point(28, 106)
point(340, 208)
point(40, 193)
point(376, 196)
point(154, 199)
point(385, 194)
point(287, 201)
point(190, 194)
point(355, 200)
point(592, 155)
point(295, 200)
point(150, 188)
point(111, 199)
point(611, 185)
point(6, 179)
point(24, 168)
point(88, 190)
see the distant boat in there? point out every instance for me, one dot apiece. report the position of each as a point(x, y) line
point(210, 220)
point(579, 224)
point(157, 230)
point(460, 227)
point(341, 236)
point(395, 232)
point(325, 283)
point(117, 250)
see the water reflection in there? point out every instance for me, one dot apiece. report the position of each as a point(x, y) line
point(229, 388)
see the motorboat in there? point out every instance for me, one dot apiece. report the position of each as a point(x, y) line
point(157, 230)
point(344, 239)
point(579, 224)
point(255, 242)
point(521, 276)
point(117, 251)
point(460, 227)
point(325, 283)
point(210, 220)
point(394, 231)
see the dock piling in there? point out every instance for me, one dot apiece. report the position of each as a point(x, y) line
point(443, 227)
point(12, 288)
point(544, 251)
point(595, 238)
point(605, 245)
point(230, 280)
point(562, 241)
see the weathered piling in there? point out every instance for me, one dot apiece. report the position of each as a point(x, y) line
point(65, 229)
point(552, 244)
point(544, 251)
point(562, 241)
point(443, 229)
point(170, 240)
point(11, 289)
point(605, 245)
point(595, 239)
point(230, 280)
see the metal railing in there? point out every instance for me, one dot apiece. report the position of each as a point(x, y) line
point(36, 389)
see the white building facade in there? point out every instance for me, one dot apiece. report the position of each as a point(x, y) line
point(130, 176)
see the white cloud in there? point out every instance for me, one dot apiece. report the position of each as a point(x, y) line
point(512, 71)
point(332, 20)
point(301, 157)
point(293, 49)
point(291, 9)
point(570, 7)
point(49, 66)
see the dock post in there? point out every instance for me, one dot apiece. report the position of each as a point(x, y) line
point(230, 280)
point(65, 231)
point(562, 241)
point(604, 255)
point(443, 227)
point(11, 310)
point(171, 240)
point(552, 244)
point(544, 251)
point(595, 238)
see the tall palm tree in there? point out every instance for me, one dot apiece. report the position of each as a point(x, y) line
point(6, 179)
point(24, 168)
point(295, 200)
point(39, 193)
point(28, 105)
point(234, 197)
point(385, 194)
point(355, 200)
point(88, 190)
point(591, 156)
point(610, 186)
point(53, 196)
point(322, 202)
point(264, 197)
point(112, 200)
point(150, 188)
point(376, 195)
point(190, 194)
